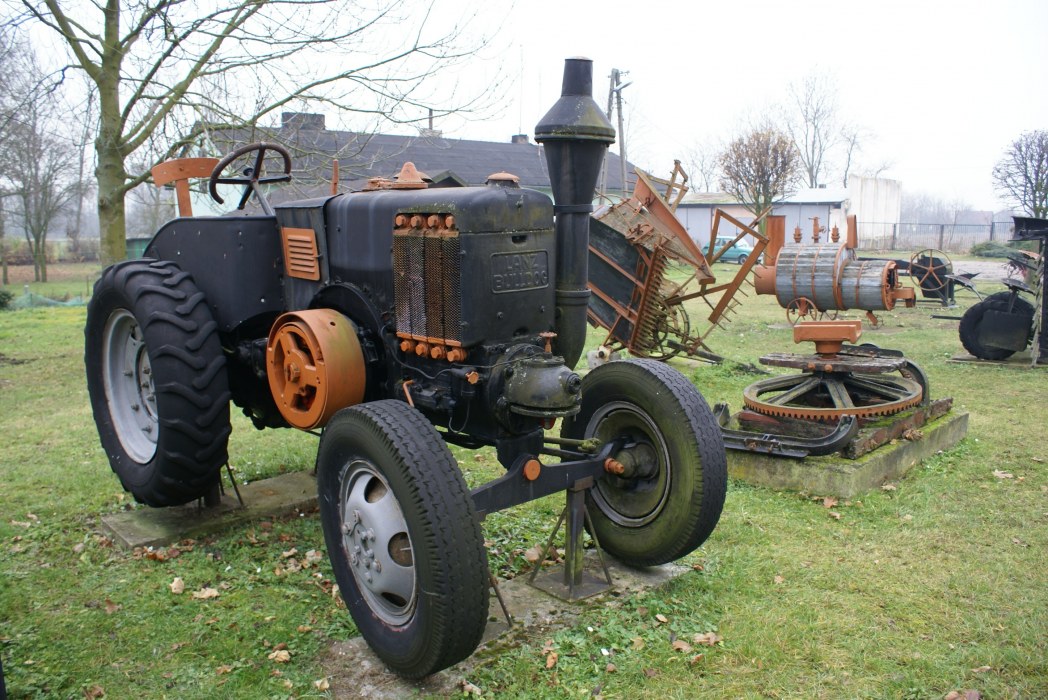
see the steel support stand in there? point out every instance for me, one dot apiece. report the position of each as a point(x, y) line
point(574, 582)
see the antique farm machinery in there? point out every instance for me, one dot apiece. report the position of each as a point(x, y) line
point(1005, 322)
point(395, 321)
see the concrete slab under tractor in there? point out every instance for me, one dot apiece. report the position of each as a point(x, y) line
point(266, 498)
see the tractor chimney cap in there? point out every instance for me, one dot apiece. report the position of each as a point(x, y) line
point(575, 116)
point(409, 178)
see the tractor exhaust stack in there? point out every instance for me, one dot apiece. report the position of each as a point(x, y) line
point(575, 134)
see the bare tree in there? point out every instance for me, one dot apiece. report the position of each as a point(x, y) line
point(1022, 174)
point(760, 168)
point(148, 207)
point(35, 161)
point(923, 208)
point(703, 162)
point(812, 123)
point(158, 66)
point(41, 170)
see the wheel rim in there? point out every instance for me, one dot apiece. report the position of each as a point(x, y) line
point(376, 543)
point(128, 379)
point(635, 501)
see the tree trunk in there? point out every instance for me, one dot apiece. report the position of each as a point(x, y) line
point(3, 244)
point(111, 216)
point(110, 172)
point(40, 261)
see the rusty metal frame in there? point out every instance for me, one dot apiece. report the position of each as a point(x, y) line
point(646, 221)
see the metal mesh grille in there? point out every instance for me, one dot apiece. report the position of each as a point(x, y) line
point(451, 287)
point(427, 284)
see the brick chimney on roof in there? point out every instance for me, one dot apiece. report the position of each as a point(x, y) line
point(302, 121)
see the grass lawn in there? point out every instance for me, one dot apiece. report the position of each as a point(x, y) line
point(935, 585)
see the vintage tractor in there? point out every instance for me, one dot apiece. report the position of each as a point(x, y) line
point(394, 321)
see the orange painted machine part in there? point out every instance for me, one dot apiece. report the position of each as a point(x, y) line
point(828, 336)
point(436, 348)
point(315, 366)
point(532, 469)
point(775, 230)
point(180, 171)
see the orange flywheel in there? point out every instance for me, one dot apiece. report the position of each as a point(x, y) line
point(315, 366)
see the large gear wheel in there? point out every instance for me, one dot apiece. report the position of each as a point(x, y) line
point(827, 396)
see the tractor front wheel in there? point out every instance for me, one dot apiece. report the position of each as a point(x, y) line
point(670, 501)
point(402, 536)
point(157, 380)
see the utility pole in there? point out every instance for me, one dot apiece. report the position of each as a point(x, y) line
point(617, 86)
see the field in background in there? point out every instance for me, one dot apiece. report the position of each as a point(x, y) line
point(932, 585)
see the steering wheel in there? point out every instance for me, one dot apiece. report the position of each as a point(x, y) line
point(930, 267)
point(252, 175)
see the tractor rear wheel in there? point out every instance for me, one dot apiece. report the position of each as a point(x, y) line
point(673, 499)
point(157, 380)
point(402, 536)
point(969, 329)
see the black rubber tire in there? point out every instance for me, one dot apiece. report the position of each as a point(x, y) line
point(676, 509)
point(972, 318)
point(387, 447)
point(741, 259)
point(180, 357)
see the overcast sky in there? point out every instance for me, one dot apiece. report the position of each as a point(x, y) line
point(940, 87)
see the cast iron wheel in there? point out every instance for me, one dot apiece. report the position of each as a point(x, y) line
point(930, 267)
point(157, 380)
point(674, 501)
point(972, 318)
point(402, 537)
point(671, 331)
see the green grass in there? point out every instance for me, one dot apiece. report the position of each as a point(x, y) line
point(64, 280)
point(908, 595)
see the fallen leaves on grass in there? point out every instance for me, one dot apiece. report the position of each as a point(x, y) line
point(178, 586)
point(661, 619)
point(1003, 474)
point(551, 655)
point(322, 685)
point(707, 638)
point(982, 669)
point(94, 692)
point(829, 502)
point(112, 607)
point(280, 656)
point(223, 669)
point(779, 580)
point(963, 695)
point(889, 487)
point(682, 646)
point(533, 554)
point(205, 593)
point(468, 688)
point(833, 514)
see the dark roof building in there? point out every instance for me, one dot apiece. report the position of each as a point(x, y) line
point(361, 156)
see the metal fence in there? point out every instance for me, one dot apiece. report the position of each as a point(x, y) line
point(952, 238)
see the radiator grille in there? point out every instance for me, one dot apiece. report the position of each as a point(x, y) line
point(427, 274)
